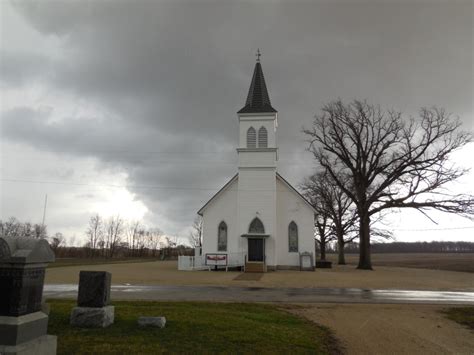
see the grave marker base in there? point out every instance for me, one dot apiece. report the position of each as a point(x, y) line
point(43, 345)
point(92, 317)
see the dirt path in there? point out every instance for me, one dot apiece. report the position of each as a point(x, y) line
point(390, 329)
point(166, 273)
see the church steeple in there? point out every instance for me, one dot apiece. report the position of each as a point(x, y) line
point(258, 100)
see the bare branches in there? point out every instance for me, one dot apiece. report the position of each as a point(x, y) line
point(382, 160)
point(195, 236)
point(94, 233)
point(335, 218)
point(13, 228)
point(114, 228)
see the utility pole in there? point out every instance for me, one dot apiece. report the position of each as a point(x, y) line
point(44, 209)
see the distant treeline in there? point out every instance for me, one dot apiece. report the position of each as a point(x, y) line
point(411, 247)
point(112, 237)
point(123, 251)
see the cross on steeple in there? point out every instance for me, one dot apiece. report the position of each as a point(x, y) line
point(257, 99)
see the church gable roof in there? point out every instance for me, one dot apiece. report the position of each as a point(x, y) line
point(295, 191)
point(258, 100)
point(234, 179)
point(218, 193)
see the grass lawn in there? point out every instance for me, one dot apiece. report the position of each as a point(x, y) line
point(461, 315)
point(192, 327)
point(61, 262)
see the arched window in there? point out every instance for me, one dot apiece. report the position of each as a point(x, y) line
point(293, 237)
point(256, 226)
point(262, 137)
point(222, 237)
point(251, 138)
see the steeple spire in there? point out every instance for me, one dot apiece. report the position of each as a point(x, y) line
point(258, 100)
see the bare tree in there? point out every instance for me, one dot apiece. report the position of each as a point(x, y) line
point(134, 231)
point(335, 218)
point(154, 238)
point(322, 223)
point(323, 234)
point(11, 228)
point(56, 241)
point(94, 233)
point(195, 236)
point(113, 234)
point(27, 230)
point(382, 160)
point(15, 229)
point(40, 231)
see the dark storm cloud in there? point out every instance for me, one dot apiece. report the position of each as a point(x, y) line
point(171, 75)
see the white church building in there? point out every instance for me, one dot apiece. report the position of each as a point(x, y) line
point(257, 216)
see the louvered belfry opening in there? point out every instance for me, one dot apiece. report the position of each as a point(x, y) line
point(251, 138)
point(262, 137)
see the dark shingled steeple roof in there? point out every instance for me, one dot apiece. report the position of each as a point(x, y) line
point(258, 100)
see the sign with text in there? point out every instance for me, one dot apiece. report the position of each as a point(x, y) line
point(216, 259)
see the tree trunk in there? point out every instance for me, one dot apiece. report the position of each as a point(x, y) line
point(341, 260)
point(322, 245)
point(364, 246)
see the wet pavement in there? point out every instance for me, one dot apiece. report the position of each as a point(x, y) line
point(260, 294)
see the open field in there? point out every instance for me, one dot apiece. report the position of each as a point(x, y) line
point(436, 261)
point(192, 328)
point(391, 329)
point(166, 273)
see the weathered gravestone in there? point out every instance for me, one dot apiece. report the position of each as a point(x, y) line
point(23, 325)
point(158, 322)
point(93, 309)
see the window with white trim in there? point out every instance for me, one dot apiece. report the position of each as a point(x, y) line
point(293, 237)
point(222, 237)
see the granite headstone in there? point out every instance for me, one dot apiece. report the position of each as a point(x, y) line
point(93, 309)
point(23, 325)
point(94, 289)
point(157, 322)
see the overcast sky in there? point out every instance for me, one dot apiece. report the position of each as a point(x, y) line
point(130, 107)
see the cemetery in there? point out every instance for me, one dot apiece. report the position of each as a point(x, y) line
point(95, 324)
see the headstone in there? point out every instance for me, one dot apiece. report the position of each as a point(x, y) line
point(158, 322)
point(93, 309)
point(23, 325)
point(94, 289)
point(93, 317)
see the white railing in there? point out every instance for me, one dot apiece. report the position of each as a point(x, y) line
point(236, 259)
point(199, 262)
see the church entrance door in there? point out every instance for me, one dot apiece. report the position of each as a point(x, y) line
point(256, 249)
